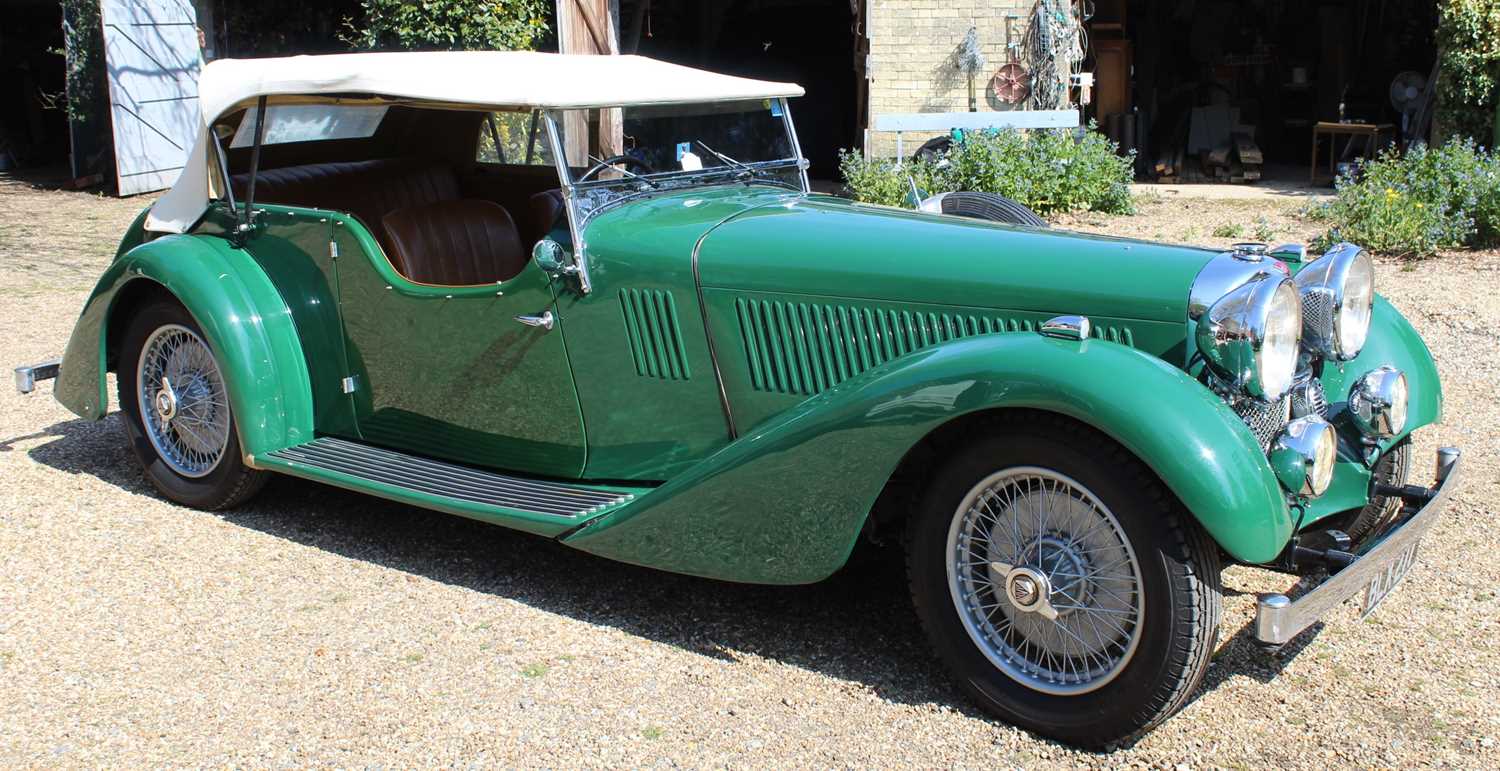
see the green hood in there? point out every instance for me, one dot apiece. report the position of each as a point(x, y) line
point(819, 245)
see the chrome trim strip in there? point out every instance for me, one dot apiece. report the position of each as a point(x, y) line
point(415, 474)
point(708, 333)
point(27, 377)
point(1278, 619)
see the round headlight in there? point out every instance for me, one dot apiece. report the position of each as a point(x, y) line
point(1303, 456)
point(1378, 403)
point(1338, 301)
point(1249, 337)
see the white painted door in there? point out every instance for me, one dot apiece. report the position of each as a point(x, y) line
point(151, 53)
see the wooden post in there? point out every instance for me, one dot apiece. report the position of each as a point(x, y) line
point(589, 27)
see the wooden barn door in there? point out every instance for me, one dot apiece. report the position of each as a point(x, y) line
point(152, 58)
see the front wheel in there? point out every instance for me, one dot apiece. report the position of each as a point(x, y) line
point(177, 414)
point(1061, 584)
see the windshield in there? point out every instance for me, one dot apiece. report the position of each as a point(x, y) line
point(662, 147)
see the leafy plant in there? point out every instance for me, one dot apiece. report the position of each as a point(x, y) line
point(1229, 230)
point(448, 25)
point(1469, 41)
point(1417, 204)
point(1047, 170)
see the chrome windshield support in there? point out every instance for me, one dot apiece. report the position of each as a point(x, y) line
point(791, 133)
point(580, 266)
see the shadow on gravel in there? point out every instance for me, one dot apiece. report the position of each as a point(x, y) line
point(856, 626)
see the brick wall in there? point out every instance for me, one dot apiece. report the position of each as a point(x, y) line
point(913, 53)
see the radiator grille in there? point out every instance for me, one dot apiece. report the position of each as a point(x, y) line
point(654, 335)
point(805, 348)
point(1265, 420)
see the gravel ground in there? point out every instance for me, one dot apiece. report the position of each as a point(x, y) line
point(320, 627)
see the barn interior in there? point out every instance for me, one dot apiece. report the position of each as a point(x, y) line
point(33, 118)
point(1186, 82)
point(808, 42)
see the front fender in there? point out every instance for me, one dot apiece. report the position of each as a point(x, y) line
point(785, 502)
point(244, 318)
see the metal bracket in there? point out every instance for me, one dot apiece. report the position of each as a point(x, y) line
point(350, 384)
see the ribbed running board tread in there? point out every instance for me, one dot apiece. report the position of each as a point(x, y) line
point(449, 480)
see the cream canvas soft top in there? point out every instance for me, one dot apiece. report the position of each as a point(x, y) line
point(522, 80)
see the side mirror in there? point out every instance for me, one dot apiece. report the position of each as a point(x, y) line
point(549, 255)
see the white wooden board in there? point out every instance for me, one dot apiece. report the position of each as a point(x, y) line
point(151, 54)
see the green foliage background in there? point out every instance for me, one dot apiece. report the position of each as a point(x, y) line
point(1047, 170)
point(1469, 39)
point(448, 25)
point(1416, 204)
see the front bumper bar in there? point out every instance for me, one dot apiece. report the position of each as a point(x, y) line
point(27, 377)
point(1279, 619)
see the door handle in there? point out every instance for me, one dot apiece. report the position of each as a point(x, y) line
point(543, 320)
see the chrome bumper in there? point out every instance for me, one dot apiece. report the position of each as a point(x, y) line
point(1279, 619)
point(26, 377)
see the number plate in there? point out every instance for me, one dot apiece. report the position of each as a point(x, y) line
point(1388, 579)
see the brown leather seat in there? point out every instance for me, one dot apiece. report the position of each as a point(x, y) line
point(455, 243)
point(546, 209)
point(367, 189)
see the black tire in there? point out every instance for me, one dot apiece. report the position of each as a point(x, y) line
point(230, 483)
point(991, 207)
point(1179, 576)
point(933, 150)
point(1393, 468)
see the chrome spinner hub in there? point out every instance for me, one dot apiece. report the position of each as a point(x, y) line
point(166, 402)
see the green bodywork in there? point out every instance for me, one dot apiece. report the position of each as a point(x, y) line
point(752, 364)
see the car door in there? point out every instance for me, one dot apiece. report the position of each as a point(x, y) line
point(450, 372)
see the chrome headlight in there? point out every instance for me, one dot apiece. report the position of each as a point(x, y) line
point(1338, 300)
point(1304, 455)
point(1249, 337)
point(1378, 403)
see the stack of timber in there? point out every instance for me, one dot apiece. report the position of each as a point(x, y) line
point(1217, 148)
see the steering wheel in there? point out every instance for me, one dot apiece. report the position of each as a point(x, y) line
point(615, 160)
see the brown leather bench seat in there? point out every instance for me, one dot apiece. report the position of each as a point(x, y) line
point(416, 209)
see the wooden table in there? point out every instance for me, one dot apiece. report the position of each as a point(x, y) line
point(1369, 131)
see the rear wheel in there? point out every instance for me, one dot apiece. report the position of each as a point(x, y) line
point(177, 414)
point(1061, 584)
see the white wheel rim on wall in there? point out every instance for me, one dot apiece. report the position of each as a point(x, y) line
point(182, 401)
point(1044, 581)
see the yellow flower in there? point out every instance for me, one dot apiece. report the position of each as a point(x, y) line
point(1420, 206)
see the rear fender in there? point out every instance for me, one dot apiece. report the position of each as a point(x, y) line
point(785, 502)
point(247, 324)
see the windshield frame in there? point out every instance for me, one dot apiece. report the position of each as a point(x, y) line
point(717, 175)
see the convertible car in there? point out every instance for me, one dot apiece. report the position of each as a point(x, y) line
point(595, 299)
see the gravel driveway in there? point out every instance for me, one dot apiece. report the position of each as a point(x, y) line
point(321, 627)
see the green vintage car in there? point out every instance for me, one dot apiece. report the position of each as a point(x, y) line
point(595, 299)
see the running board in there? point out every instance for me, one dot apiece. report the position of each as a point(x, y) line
point(534, 505)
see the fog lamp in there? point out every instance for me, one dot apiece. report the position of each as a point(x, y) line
point(1378, 403)
point(1304, 455)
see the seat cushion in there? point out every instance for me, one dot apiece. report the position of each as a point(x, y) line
point(455, 243)
point(367, 189)
point(546, 208)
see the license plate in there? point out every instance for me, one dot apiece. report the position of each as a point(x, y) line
point(1387, 580)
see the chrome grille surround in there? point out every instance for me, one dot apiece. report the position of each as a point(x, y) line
point(1318, 307)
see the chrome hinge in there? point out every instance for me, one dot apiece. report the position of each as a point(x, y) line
point(333, 249)
point(351, 384)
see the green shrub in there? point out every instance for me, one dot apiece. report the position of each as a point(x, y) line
point(1415, 204)
point(1048, 171)
point(1469, 39)
point(448, 25)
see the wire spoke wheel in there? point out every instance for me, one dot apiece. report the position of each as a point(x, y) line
point(1045, 581)
point(183, 404)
